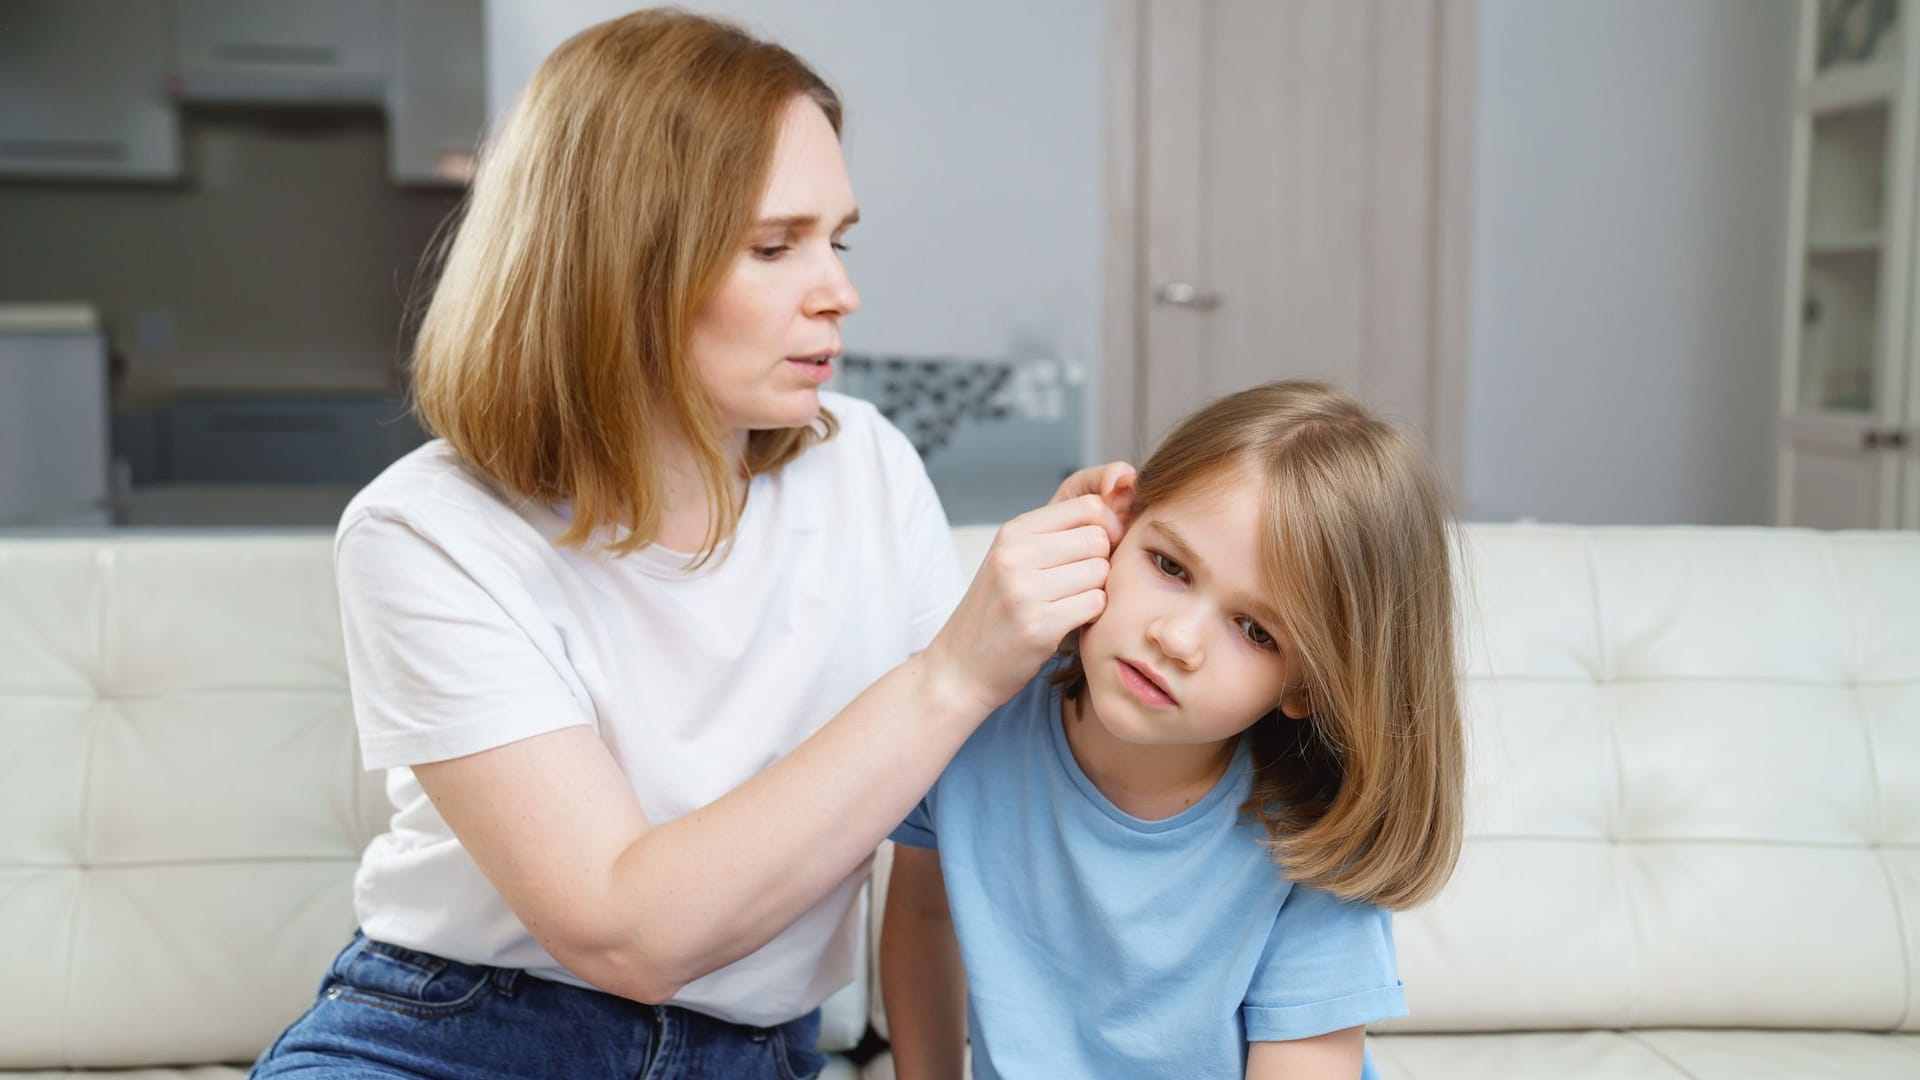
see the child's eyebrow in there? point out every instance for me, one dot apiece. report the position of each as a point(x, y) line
point(1193, 562)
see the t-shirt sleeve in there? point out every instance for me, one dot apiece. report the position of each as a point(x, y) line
point(936, 582)
point(917, 830)
point(1329, 964)
point(439, 665)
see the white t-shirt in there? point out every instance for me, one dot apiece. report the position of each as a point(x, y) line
point(467, 628)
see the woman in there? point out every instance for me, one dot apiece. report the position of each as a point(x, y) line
point(655, 648)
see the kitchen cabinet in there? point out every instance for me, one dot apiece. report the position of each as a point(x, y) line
point(93, 89)
point(286, 439)
point(306, 52)
point(83, 90)
point(422, 61)
point(437, 98)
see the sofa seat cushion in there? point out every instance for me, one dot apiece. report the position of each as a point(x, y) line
point(1653, 1054)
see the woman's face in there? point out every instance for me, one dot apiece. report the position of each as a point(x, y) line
point(766, 341)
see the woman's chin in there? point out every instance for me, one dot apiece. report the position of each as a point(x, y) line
point(798, 410)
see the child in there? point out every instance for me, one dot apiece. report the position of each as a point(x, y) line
point(1173, 853)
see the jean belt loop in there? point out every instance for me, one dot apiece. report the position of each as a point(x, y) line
point(505, 979)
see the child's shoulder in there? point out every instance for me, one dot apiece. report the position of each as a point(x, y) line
point(1023, 719)
point(1038, 703)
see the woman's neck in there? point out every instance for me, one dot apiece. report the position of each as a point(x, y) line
point(1148, 782)
point(686, 514)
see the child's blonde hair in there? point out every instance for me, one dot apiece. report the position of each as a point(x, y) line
point(607, 209)
point(1363, 798)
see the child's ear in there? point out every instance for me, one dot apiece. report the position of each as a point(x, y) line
point(1118, 493)
point(1296, 703)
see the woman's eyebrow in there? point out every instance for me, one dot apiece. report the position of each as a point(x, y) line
point(803, 221)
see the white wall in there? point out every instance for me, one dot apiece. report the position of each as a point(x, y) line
point(973, 139)
point(1628, 236)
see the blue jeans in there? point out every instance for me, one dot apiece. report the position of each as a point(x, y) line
point(384, 1011)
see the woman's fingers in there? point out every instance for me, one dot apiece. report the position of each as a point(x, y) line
point(1106, 481)
point(1043, 578)
point(1044, 551)
point(1062, 583)
point(1068, 515)
point(1082, 608)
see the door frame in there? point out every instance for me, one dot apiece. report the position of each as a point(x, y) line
point(1119, 421)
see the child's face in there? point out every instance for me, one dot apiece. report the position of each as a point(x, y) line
point(1189, 649)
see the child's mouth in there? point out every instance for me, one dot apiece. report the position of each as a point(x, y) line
point(1143, 686)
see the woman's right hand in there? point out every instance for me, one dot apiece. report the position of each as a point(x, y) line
point(1043, 578)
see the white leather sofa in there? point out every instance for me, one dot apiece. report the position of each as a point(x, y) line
point(1694, 842)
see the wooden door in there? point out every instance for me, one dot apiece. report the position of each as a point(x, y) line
point(1298, 193)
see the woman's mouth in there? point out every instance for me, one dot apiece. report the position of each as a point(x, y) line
point(818, 368)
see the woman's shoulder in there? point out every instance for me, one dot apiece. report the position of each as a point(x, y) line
point(432, 491)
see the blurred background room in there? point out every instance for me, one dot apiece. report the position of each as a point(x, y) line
point(1622, 261)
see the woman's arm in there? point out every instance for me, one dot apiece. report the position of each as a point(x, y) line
point(641, 911)
point(1333, 1056)
point(921, 977)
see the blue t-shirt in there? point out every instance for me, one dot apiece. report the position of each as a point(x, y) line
point(1098, 944)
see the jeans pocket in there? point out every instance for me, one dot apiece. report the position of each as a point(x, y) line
point(796, 1049)
point(406, 981)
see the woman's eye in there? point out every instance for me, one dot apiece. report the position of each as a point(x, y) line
point(1256, 633)
point(1168, 566)
point(841, 247)
point(773, 252)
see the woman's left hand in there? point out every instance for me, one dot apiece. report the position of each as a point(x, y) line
point(1113, 482)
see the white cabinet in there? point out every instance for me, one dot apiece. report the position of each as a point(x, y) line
point(437, 98)
point(83, 90)
point(1850, 379)
point(420, 60)
point(307, 52)
point(53, 416)
point(92, 89)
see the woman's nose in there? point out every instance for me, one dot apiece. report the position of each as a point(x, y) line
point(834, 293)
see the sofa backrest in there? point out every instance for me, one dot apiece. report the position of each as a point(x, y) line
point(1694, 789)
point(181, 805)
point(1694, 794)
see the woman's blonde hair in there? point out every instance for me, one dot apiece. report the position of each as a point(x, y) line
point(605, 212)
point(1364, 797)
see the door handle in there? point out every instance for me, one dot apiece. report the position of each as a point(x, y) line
point(1183, 294)
point(1884, 440)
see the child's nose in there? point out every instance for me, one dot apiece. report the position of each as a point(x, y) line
point(1178, 636)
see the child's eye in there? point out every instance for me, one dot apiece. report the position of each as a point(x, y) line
point(1168, 566)
point(1256, 634)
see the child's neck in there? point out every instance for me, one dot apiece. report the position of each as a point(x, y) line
point(1148, 782)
